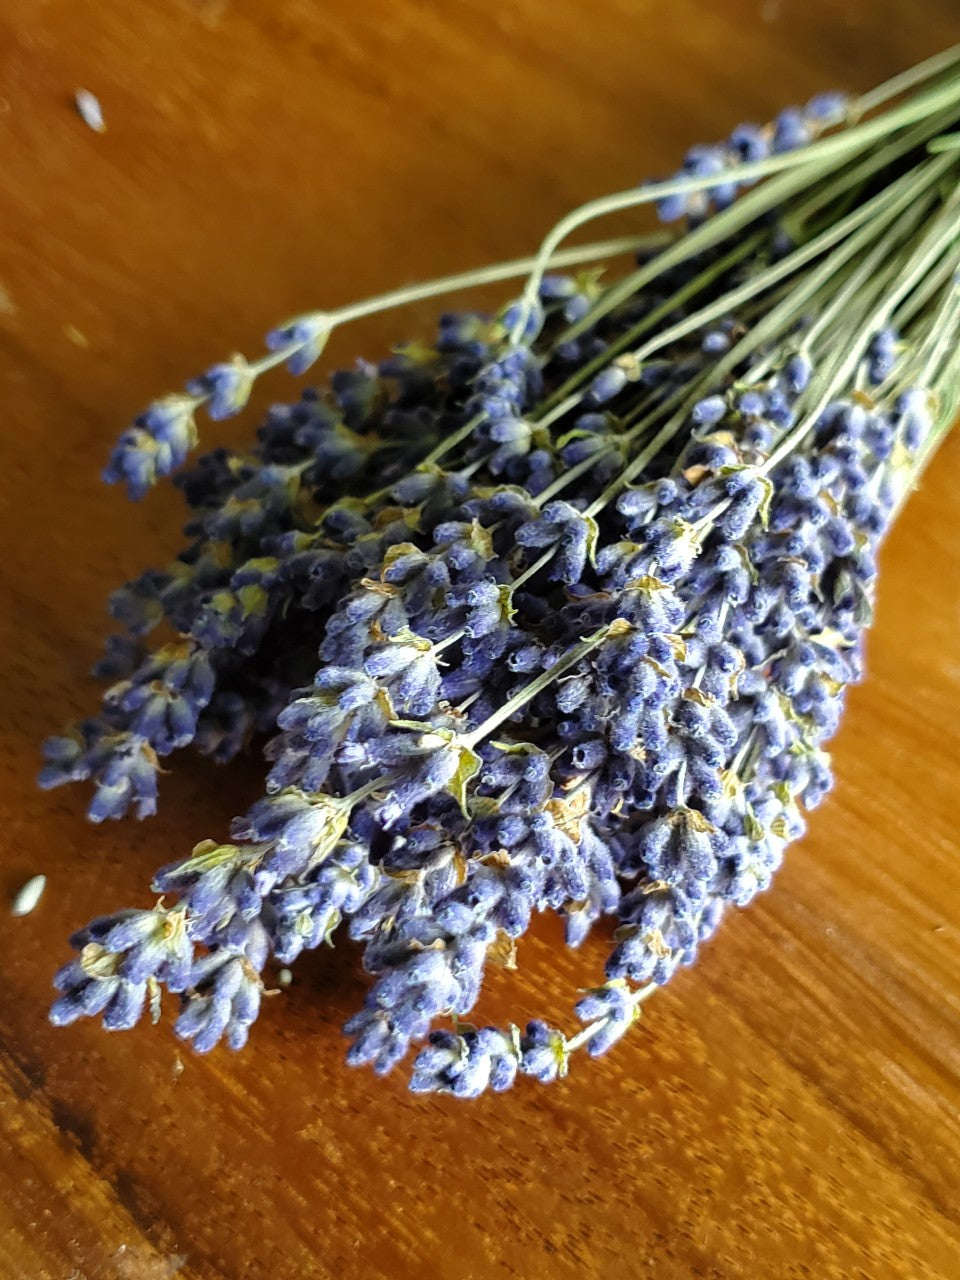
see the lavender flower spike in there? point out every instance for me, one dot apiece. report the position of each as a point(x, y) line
point(556, 611)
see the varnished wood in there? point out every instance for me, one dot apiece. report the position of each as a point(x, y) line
point(789, 1108)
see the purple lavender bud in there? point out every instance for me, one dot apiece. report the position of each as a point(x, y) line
point(797, 373)
point(588, 756)
point(751, 404)
point(790, 130)
point(672, 208)
point(607, 384)
point(126, 1006)
point(706, 162)
point(742, 510)
point(715, 343)
point(532, 315)
point(82, 1002)
point(913, 413)
point(577, 308)
point(542, 1052)
point(306, 337)
point(122, 657)
point(554, 287)
point(750, 143)
point(226, 386)
point(155, 445)
point(827, 108)
point(203, 1022)
point(708, 411)
point(612, 1008)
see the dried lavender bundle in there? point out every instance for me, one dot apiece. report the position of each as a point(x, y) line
point(557, 611)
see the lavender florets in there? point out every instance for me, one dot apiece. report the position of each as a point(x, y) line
point(557, 612)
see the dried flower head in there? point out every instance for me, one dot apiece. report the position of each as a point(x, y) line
point(555, 612)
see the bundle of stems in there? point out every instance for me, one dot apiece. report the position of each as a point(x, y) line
point(557, 611)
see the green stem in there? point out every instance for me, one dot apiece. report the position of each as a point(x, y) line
point(773, 323)
point(869, 220)
point(908, 79)
point(805, 162)
point(706, 277)
point(849, 177)
point(491, 274)
point(946, 142)
point(944, 327)
point(407, 294)
point(917, 301)
point(943, 232)
point(529, 691)
point(591, 1029)
point(947, 393)
point(857, 280)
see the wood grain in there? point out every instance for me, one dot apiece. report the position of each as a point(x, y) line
point(788, 1109)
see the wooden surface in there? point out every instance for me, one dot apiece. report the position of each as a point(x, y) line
point(789, 1108)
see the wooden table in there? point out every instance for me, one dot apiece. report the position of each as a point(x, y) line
point(789, 1108)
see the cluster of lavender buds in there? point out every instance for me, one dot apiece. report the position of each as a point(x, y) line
point(557, 611)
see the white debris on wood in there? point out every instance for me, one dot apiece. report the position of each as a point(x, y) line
point(89, 110)
point(284, 977)
point(27, 897)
